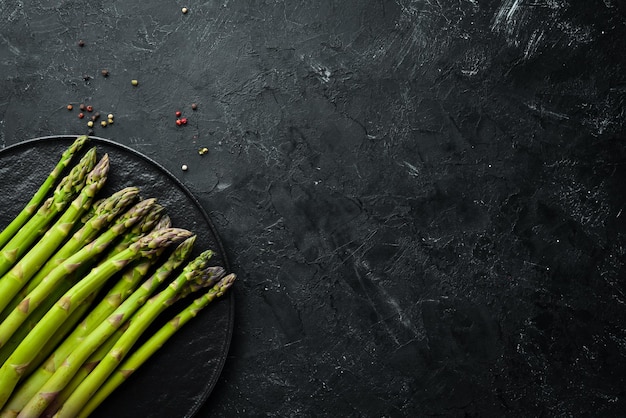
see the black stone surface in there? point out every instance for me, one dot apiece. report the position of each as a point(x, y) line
point(423, 200)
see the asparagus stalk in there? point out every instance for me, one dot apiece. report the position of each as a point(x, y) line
point(43, 190)
point(65, 192)
point(105, 211)
point(198, 270)
point(133, 274)
point(86, 255)
point(54, 237)
point(65, 328)
point(153, 344)
point(68, 359)
point(152, 221)
point(122, 289)
point(16, 364)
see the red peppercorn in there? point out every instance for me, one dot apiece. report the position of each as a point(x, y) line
point(183, 121)
point(81, 115)
point(179, 122)
point(89, 108)
point(178, 113)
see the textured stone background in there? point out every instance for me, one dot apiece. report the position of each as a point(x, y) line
point(423, 199)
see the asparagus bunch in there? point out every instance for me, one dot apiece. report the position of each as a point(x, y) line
point(42, 192)
point(197, 271)
point(71, 354)
point(54, 279)
point(65, 192)
point(61, 341)
point(103, 213)
point(151, 346)
point(31, 262)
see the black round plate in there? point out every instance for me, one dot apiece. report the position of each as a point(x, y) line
point(178, 379)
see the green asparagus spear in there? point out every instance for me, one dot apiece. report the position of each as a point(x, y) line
point(83, 400)
point(154, 343)
point(54, 237)
point(86, 255)
point(195, 270)
point(43, 190)
point(106, 210)
point(14, 367)
point(149, 223)
point(65, 192)
point(68, 358)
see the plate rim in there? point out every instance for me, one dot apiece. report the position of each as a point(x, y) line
point(194, 200)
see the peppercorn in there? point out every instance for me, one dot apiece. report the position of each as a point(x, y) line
point(184, 10)
point(70, 107)
point(81, 115)
point(103, 123)
point(90, 108)
point(90, 124)
point(184, 167)
point(81, 43)
point(194, 106)
point(105, 72)
point(179, 122)
point(183, 121)
point(110, 121)
point(82, 106)
point(134, 82)
point(110, 116)
point(178, 113)
point(203, 151)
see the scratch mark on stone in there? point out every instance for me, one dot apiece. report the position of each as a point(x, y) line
point(15, 50)
point(544, 112)
point(413, 170)
point(533, 43)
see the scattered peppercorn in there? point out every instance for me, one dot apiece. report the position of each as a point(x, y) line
point(89, 108)
point(184, 10)
point(178, 113)
point(194, 106)
point(105, 72)
point(81, 43)
point(184, 167)
point(81, 115)
point(70, 107)
point(183, 121)
point(82, 106)
point(90, 124)
point(95, 116)
point(103, 123)
point(110, 116)
point(203, 151)
point(134, 82)
point(179, 122)
point(110, 121)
